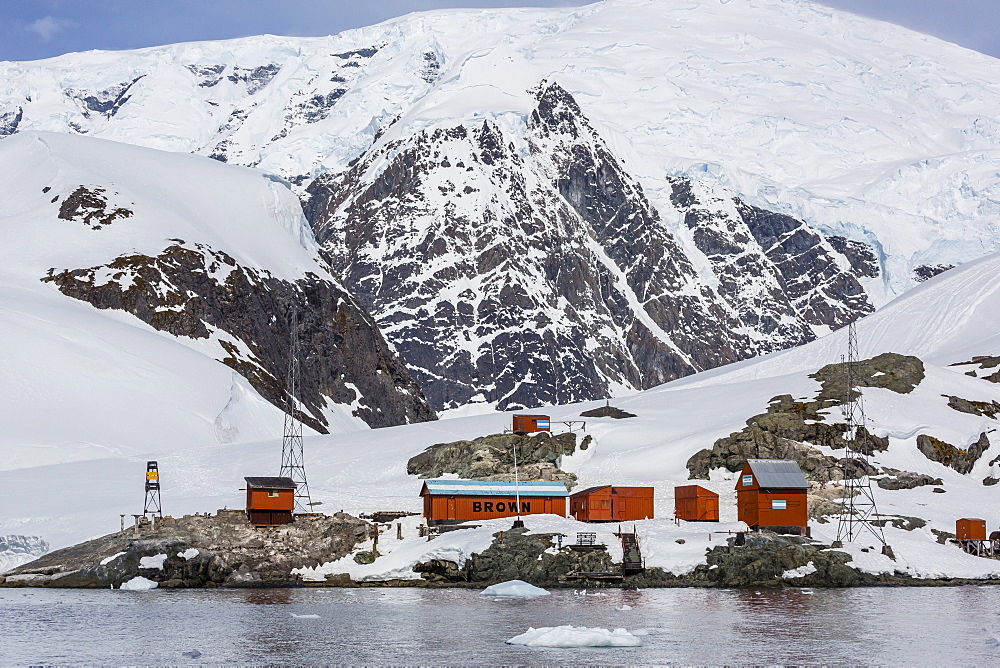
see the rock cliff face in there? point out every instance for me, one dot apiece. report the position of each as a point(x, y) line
point(193, 291)
point(521, 265)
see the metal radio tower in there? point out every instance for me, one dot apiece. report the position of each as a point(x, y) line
point(293, 463)
point(152, 505)
point(858, 510)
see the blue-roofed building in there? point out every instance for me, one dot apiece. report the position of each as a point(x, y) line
point(448, 501)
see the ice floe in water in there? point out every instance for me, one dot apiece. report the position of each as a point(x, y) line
point(624, 606)
point(139, 583)
point(514, 589)
point(575, 636)
point(305, 616)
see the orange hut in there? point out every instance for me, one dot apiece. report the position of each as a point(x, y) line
point(270, 500)
point(771, 494)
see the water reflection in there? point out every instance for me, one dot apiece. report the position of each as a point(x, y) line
point(380, 626)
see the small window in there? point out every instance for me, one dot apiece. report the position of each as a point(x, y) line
point(747, 480)
point(272, 493)
point(777, 504)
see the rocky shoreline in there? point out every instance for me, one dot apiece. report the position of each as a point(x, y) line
point(223, 550)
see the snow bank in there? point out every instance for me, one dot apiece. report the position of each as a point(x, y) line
point(514, 589)
point(107, 560)
point(155, 561)
point(139, 583)
point(188, 554)
point(800, 572)
point(575, 636)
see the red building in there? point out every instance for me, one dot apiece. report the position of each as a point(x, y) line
point(270, 501)
point(694, 503)
point(526, 424)
point(608, 503)
point(453, 501)
point(970, 528)
point(771, 494)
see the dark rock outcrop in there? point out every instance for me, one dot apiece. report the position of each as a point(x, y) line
point(961, 460)
point(984, 363)
point(492, 457)
point(928, 271)
point(197, 292)
point(906, 480)
point(785, 431)
point(607, 411)
point(198, 551)
point(891, 371)
point(984, 408)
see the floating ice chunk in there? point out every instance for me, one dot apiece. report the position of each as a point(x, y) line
point(575, 636)
point(139, 583)
point(188, 554)
point(155, 561)
point(800, 572)
point(624, 606)
point(514, 589)
point(305, 616)
point(193, 654)
point(107, 560)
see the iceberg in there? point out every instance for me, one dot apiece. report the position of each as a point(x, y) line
point(514, 589)
point(575, 636)
point(139, 583)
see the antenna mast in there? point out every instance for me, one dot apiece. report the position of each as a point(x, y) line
point(858, 510)
point(293, 463)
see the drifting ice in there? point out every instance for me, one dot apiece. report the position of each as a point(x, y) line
point(514, 589)
point(305, 616)
point(139, 583)
point(575, 636)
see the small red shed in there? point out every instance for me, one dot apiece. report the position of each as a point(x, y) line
point(771, 494)
point(608, 503)
point(970, 528)
point(453, 501)
point(270, 501)
point(694, 503)
point(526, 424)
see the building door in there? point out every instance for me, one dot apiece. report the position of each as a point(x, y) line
point(451, 508)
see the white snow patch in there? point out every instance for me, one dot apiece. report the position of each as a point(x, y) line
point(107, 560)
point(188, 554)
point(155, 561)
point(799, 572)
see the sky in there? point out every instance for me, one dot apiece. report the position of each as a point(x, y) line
point(32, 29)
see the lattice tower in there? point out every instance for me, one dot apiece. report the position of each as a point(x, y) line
point(152, 506)
point(293, 463)
point(858, 508)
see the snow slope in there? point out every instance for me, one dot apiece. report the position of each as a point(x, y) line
point(862, 128)
point(945, 321)
point(84, 383)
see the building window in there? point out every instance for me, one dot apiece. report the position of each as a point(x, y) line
point(747, 480)
point(777, 504)
point(272, 493)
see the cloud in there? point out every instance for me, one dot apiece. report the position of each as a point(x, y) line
point(47, 27)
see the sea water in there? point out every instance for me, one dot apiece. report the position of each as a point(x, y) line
point(941, 625)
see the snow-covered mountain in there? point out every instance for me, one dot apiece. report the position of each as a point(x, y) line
point(146, 301)
point(785, 167)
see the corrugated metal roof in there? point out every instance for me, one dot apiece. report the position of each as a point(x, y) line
point(272, 482)
point(496, 487)
point(778, 473)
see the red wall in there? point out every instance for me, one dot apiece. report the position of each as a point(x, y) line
point(466, 508)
